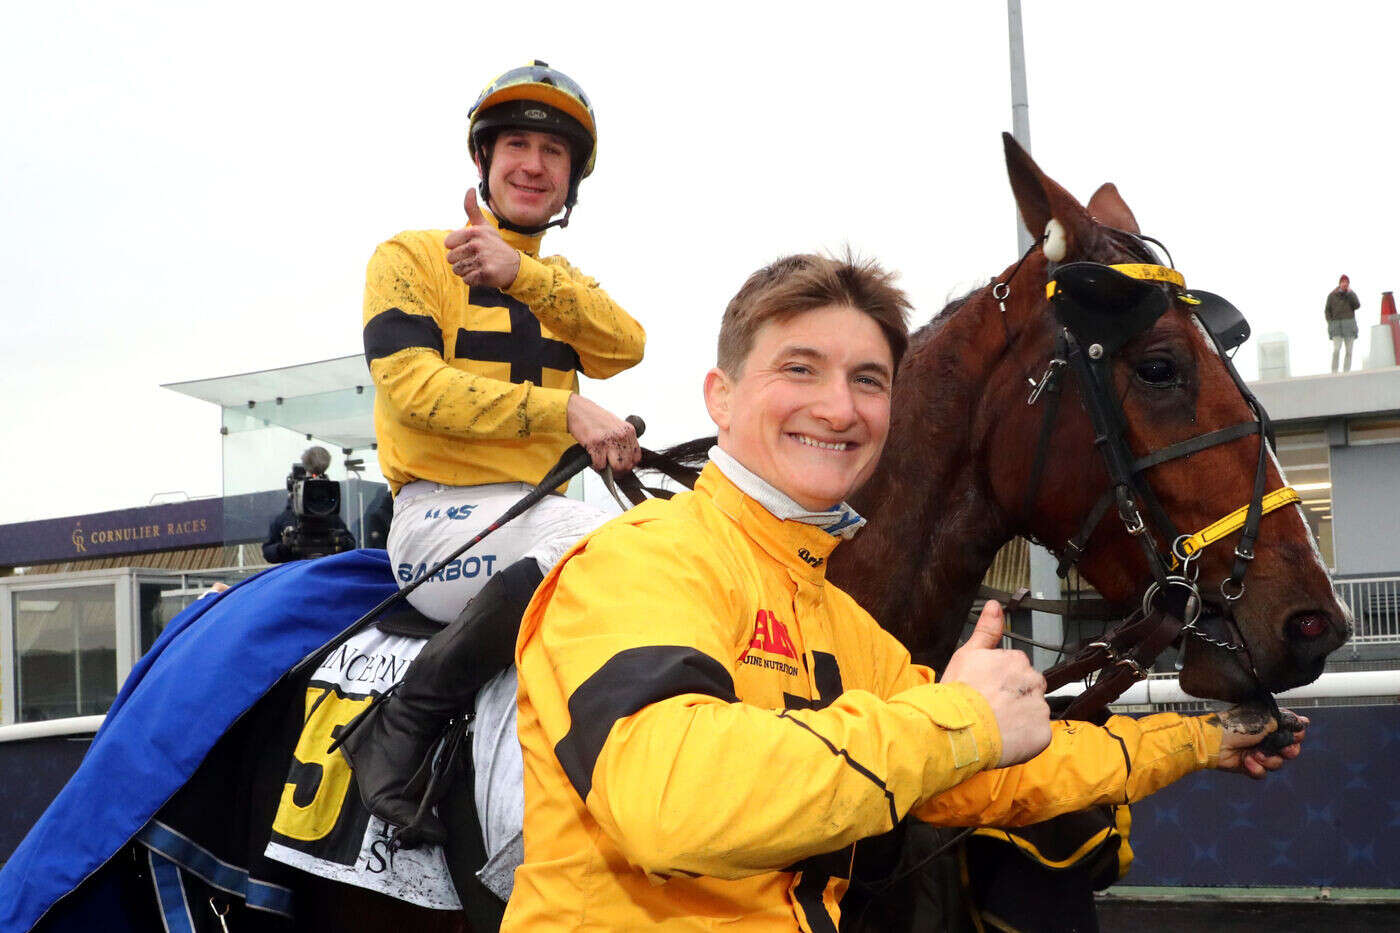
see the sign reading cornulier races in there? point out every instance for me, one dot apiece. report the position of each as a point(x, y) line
point(196, 523)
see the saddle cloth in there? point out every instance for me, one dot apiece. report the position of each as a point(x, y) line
point(322, 827)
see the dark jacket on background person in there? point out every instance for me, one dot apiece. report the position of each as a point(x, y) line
point(274, 551)
point(1341, 306)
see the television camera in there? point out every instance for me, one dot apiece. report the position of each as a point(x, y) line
point(315, 502)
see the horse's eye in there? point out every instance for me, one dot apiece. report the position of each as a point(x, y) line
point(1157, 371)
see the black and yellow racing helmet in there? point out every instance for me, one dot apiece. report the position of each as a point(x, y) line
point(535, 97)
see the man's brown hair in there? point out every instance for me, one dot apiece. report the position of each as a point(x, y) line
point(804, 282)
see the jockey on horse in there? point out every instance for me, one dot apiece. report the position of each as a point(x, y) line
point(475, 343)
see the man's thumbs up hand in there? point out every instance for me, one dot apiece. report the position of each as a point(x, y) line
point(477, 253)
point(990, 626)
point(474, 216)
point(1014, 690)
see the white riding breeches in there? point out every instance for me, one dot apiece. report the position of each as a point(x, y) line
point(430, 522)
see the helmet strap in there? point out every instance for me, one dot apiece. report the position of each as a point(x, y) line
point(502, 221)
point(535, 231)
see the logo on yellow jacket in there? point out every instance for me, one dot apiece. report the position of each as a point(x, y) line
point(770, 637)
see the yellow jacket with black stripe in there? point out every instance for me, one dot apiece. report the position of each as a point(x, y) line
point(709, 729)
point(472, 383)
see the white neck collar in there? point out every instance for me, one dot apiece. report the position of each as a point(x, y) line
point(840, 520)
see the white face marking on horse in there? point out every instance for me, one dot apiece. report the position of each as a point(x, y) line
point(1056, 241)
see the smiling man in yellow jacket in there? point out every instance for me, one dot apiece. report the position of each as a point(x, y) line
point(710, 728)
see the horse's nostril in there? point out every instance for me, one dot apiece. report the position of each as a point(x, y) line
point(1309, 625)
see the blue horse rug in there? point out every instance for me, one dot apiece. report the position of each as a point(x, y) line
point(209, 666)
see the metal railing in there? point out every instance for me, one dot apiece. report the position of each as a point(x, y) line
point(1375, 602)
point(1346, 684)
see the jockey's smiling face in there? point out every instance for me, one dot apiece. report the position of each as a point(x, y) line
point(810, 409)
point(529, 176)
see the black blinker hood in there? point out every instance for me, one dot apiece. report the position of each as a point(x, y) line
point(1104, 306)
point(1224, 321)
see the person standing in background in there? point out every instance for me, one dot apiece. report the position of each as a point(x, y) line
point(1340, 311)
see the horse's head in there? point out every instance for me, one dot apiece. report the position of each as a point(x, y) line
point(1162, 383)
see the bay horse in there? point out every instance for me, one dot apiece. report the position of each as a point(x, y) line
point(952, 488)
point(973, 460)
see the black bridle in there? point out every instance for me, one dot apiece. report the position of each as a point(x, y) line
point(1171, 605)
point(1097, 309)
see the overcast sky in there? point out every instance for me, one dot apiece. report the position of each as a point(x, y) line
point(193, 190)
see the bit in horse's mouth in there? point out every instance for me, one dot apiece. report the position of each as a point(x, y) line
point(1213, 666)
point(1215, 625)
point(1306, 643)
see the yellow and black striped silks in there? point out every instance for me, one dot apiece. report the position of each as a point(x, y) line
point(710, 728)
point(472, 383)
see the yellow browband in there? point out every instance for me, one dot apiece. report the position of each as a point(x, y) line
point(1142, 271)
point(1232, 522)
point(1150, 273)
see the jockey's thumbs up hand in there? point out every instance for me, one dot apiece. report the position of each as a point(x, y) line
point(474, 216)
point(477, 253)
point(1014, 690)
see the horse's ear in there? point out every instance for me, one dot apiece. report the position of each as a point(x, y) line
point(1108, 207)
point(1041, 200)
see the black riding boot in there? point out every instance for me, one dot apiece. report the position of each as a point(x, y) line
point(389, 750)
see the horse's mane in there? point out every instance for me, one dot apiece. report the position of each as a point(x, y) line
point(681, 462)
point(936, 323)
